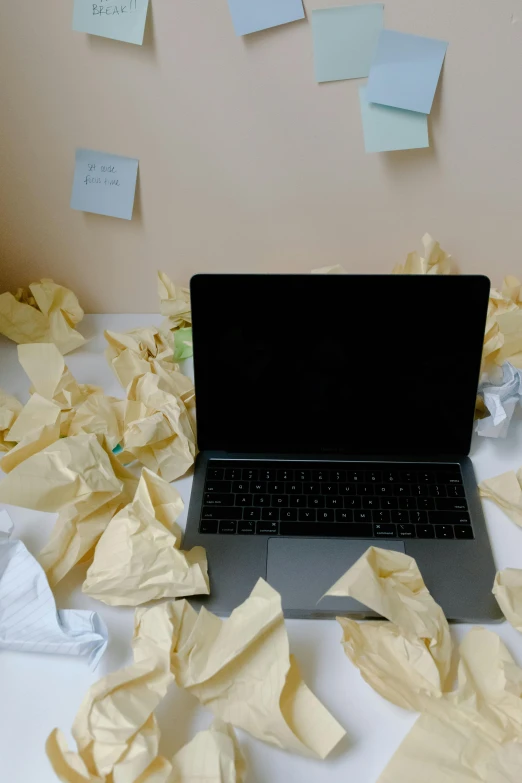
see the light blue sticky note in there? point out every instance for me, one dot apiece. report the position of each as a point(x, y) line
point(250, 16)
point(124, 21)
point(345, 40)
point(386, 128)
point(104, 183)
point(405, 71)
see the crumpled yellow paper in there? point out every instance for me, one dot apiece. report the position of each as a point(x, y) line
point(473, 735)
point(241, 669)
point(435, 261)
point(10, 409)
point(138, 351)
point(503, 336)
point(47, 312)
point(506, 491)
point(158, 429)
point(138, 559)
point(336, 269)
point(507, 589)
point(213, 756)
point(37, 426)
point(115, 730)
point(174, 304)
point(406, 660)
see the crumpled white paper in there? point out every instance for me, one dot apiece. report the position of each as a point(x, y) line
point(29, 620)
point(500, 399)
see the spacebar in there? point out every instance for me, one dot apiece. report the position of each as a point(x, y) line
point(329, 530)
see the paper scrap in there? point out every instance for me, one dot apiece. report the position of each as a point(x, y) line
point(104, 183)
point(240, 668)
point(115, 729)
point(250, 16)
point(336, 269)
point(406, 660)
point(123, 21)
point(475, 734)
point(158, 430)
point(387, 129)
point(213, 756)
point(434, 262)
point(29, 619)
point(37, 427)
point(183, 343)
point(507, 589)
point(46, 313)
point(174, 304)
point(138, 559)
point(99, 415)
point(500, 399)
point(506, 491)
point(405, 71)
point(10, 409)
point(345, 40)
point(503, 337)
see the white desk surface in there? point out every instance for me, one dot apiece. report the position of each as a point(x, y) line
point(40, 692)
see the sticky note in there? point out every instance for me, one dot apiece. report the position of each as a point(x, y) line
point(124, 21)
point(405, 71)
point(386, 128)
point(104, 183)
point(345, 40)
point(250, 16)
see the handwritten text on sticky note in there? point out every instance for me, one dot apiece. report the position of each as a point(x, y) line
point(124, 20)
point(104, 183)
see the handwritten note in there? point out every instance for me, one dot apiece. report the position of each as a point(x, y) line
point(104, 183)
point(124, 21)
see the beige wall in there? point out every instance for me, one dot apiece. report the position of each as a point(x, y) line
point(245, 162)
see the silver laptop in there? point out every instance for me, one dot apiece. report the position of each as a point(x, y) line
point(335, 413)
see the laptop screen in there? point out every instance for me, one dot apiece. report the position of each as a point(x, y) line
point(339, 364)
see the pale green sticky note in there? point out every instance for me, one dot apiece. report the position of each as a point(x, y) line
point(124, 21)
point(386, 129)
point(183, 343)
point(345, 40)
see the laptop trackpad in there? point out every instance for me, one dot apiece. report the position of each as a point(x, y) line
point(303, 569)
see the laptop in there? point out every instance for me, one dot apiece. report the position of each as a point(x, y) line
point(335, 413)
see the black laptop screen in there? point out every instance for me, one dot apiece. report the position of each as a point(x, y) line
point(340, 364)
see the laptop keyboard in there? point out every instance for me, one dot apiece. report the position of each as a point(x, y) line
point(347, 500)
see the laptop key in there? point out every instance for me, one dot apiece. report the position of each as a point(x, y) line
point(267, 475)
point(218, 486)
point(244, 500)
point(425, 531)
point(449, 478)
point(389, 503)
point(369, 502)
point(303, 475)
point(384, 531)
point(270, 514)
point(252, 513)
point(348, 489)
point(232, 474)
point(437, 490)
point(326, 530)
point(400, 516)
point(315, 501)
point(276, 487)
point(228, 526)
point(463, 531)
point(390, 476)
point(451, 504)
point(333, 501)
point(312, 488)
point(325, 515)
point(449, 518)
point(285, 475)
point(267, 528)
point(249, 474)
point(246, 528)
point(455, 490)
point(210, 499)
point(294, 488)
point(354, 476)
point(362, 516)
point(344, 515)
point(288, 514)
point(425, 504)
point(406, 503)
point(401, 490)
point(307, 515)
point(297, 501)
point(279, 501)
point(337, 475)
point(444, 531)
point(257, 487)
point(420, 517)
point(261, 500)
point(365, 489)
point(240, 486)
point(383, 490)
point(215, 474)
point(350, 502)
point(408, 477)
point(319, 475)
point(373, 476)
point(330, 488)
point(406, 531)
point(419, 490)
point(381, 516)
point(208, 526)
point(218, 512)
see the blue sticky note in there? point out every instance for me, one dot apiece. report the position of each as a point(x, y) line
point(386, 129)
point(124, 20)
point(104, 183)
point(405, 71)
point(345, 40)
point(250, 16)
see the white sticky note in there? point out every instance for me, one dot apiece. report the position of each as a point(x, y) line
point(124, 21)
point(104, 183)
